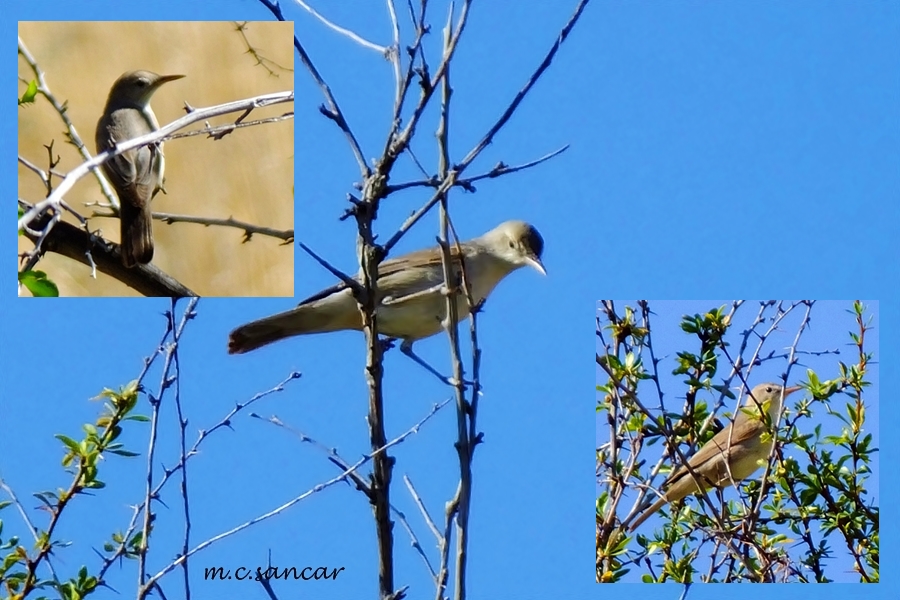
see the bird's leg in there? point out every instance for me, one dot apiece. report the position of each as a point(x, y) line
point(406, 348)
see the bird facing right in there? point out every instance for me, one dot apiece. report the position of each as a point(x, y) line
point(742, 444)
point(410, 305)
point(137, 174)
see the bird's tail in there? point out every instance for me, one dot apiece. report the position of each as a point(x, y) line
point(136, 234)
point(315, 317)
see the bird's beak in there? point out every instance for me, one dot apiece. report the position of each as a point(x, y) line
point(165, 78)
point(535, 262)
point(791, 390)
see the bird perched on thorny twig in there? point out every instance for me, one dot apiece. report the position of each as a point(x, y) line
point(137, 174)
point(742, 444)
point(410, 305)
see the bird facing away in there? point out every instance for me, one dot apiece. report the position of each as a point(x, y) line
point(743, 456)
point(409, 304)
point(137, 175)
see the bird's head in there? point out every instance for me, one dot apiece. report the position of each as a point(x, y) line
point(768, 397)
point(135, 88)
point(518, 243)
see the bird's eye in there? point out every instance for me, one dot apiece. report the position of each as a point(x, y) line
point(512, 244)
point(769, 389)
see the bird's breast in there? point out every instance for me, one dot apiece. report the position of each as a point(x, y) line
point(419, 310)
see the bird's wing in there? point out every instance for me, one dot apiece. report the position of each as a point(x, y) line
point(133, 169)
point(389, 268)
point(717, 445)
point(419, 258)
point(120, 167)
point(706, 452)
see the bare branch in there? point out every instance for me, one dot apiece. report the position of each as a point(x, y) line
point(73, 136)
point(299, 498)
point(489, 136)
point(252, 51)
point(453, 175)
point(352, 283)
point(499, 170)
point(343, 30)
point(95, 252)
point(287, 235)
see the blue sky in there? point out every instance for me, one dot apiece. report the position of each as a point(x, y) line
point(717, 149)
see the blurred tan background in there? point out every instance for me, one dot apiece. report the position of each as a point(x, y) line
point(247, 175)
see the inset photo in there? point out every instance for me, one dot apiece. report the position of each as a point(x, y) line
point(156, 158)
point(737, 441)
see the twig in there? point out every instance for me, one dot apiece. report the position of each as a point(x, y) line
point(489, 136)
point(351, 282)
point(60, 109)
point(299, 498)
point(224, 422)
point(343, 31)
point(252, 51)
point(249, 229)
point(466, 182)
point(359, 480)
point(394, 55)
point(422, 508)
point(453, 175)
point(157, 136)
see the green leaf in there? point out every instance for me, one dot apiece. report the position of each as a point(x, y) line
point(38, 284)
point(127, 453)
point(72, 444)
point(30, 93)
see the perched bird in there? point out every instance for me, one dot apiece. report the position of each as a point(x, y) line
point(743, 456)
point(137, 175)
point(410, 305)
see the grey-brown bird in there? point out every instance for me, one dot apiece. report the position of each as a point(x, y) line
point(137, 175)
point(744, 455)
point(410, 305)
